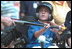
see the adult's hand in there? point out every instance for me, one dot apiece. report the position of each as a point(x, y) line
point(7, 21)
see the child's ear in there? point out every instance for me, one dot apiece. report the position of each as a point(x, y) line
point(49, 16)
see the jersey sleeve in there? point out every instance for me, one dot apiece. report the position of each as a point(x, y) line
point(31, 31)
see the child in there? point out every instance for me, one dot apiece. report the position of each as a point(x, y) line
point(38, 33)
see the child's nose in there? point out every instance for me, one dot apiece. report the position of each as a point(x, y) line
point(43, 12)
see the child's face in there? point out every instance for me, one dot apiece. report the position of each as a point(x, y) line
point(43, 13)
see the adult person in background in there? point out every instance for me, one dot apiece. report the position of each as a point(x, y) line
point(68, 24)
point(8, 12)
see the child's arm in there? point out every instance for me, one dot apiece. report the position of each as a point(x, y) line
point(38, 33)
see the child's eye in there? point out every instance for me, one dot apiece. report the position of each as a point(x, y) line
point(46, 11)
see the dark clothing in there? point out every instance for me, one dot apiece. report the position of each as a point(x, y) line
point(68, 21)
point(28, 7)
point(67, 33)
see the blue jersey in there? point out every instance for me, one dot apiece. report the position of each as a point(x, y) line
point(34, 41)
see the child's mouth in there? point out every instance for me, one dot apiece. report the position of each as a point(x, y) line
point(43, 15)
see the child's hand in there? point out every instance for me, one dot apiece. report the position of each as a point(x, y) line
point(47, 25)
